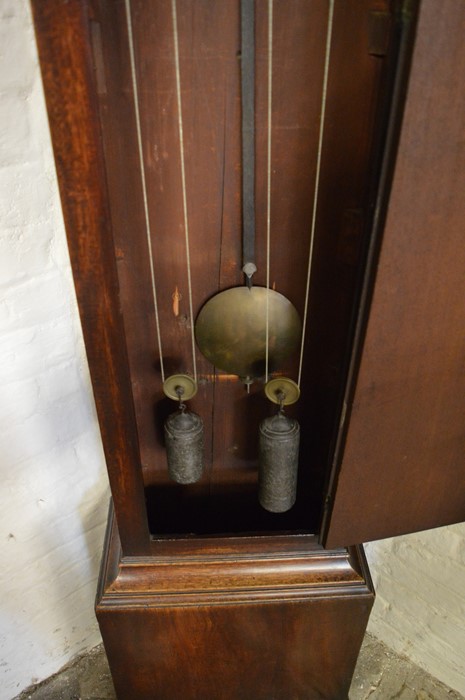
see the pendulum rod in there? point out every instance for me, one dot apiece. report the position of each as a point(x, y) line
point(183, 179)
point(143, 181)
point(268, 185)
point(248, 138)
point(317, 180)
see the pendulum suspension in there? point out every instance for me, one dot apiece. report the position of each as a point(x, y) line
point(183, 432)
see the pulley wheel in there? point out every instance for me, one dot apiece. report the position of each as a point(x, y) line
point(282, 390)
point(179, 387)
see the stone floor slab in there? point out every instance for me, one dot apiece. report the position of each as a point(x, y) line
point(380, 675)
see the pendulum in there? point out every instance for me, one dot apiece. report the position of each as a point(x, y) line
point(231, 330)
point(248, 330)
point(279, 450)
point(183, 432)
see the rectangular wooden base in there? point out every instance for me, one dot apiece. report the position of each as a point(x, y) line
point(259, 618)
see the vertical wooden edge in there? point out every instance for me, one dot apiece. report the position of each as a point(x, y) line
point(398, 73)
point(111, 555)
point(358, 561)
point(64, 46)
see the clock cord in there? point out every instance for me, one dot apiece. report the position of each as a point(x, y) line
point(317, 181)
point(143, 181)
point(279, 435)
point(183, 179)
point(268, 185)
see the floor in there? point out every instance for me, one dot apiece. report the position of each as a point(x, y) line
point(380, 675)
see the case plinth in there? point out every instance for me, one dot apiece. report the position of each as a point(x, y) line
point(257, 619)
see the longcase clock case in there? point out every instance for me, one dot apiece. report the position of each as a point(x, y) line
point(203, 593)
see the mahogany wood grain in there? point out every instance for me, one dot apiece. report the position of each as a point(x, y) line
point(403, 464)
point(209, 43)
point(85, 58)
point(64, 42)
point(224, 600)
point(283, 623)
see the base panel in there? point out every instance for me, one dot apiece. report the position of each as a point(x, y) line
point(281, 620)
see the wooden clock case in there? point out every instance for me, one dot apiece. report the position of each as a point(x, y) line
point(202, 593)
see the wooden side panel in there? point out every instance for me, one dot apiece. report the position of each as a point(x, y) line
point(404, 461)
point(62, 30)
point(305, 651)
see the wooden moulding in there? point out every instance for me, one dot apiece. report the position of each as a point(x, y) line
point(283, 621)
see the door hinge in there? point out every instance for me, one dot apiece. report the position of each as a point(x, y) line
point(379, 30)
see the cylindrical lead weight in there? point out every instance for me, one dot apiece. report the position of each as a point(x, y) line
point(184, 446)
point(278, 463)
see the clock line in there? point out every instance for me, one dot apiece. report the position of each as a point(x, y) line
point(183, 180)
point(268, 185)
point(143, 181)
point(317, 181)
point(184, 189)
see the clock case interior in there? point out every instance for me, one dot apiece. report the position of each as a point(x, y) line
point(362, 61)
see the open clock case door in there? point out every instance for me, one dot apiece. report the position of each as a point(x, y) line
point(401, 429)
point(400, 458)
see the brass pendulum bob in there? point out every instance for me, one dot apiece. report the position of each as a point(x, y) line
point(231, 330)
point(279, 438)
point(183, 433)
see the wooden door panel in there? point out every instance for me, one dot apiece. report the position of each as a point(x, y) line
point(403, 464)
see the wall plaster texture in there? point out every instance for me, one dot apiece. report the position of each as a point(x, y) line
point(420, 600)
point(54, 492)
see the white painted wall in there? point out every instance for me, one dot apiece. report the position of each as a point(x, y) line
point(53, 486)
point(420, 605)
point(53, 483)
